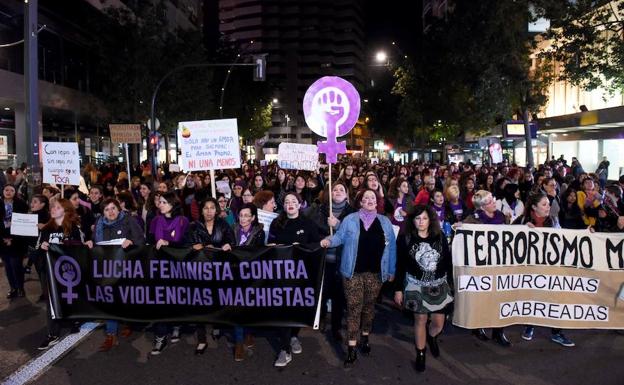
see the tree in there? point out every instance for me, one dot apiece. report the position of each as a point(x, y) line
point(472, 73)
point(137, 47)
point(586, 39)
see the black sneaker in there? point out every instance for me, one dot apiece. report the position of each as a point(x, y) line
point(75, 328)
point(49, 342)
point(159, 345)
point(12, 294)
point(27, 270)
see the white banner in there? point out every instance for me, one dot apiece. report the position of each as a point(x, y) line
point(507, 275)
point(513, 245)
point(297, 156)
point(24, 224)
point(209, 145)
point(61, 163)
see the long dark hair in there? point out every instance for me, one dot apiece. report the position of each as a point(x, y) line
point(434, 224)
point(281, 219)
point(176, 206)
point(214, 202)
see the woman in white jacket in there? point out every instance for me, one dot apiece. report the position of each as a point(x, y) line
point(511, 205)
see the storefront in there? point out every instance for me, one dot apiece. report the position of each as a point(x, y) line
point(587, 136)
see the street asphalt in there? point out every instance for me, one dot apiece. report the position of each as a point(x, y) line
point(597, 359)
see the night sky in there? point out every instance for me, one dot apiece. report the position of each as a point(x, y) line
point(393, 20)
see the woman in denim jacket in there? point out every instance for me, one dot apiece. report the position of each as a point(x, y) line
point(368, 259)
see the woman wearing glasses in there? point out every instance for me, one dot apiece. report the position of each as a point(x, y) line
point(248, 232)
point(487, 213)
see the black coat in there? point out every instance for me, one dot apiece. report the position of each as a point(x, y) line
point(18, 243)
point(222, 234)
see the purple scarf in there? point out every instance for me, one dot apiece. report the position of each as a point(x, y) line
point(498, 219)
point(367, 218)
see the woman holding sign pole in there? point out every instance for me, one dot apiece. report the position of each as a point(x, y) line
point(424, 278)
point(368, 259)
point(537, 214)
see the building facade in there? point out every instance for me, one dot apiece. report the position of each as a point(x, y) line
point(303, 40)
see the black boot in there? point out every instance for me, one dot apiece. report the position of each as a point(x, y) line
point(351, 356)
point(480, 334)
point(433, 344)
point(420, 360)
point(499, 336)
point(364, 346)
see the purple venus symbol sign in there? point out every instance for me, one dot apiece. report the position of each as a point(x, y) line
point(67, 273)
point(331, 107)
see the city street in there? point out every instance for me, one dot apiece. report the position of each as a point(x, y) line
point(464, 360)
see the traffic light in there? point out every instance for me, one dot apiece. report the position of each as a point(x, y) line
point(154, 142)
point(260, 67)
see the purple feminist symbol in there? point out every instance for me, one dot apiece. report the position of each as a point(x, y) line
point(67, 273)
point(331, 107)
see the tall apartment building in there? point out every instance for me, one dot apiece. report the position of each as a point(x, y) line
point(304, 40)
point(69, 111)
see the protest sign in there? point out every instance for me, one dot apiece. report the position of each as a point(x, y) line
point(24, 224)
point(125, 133)
point(223, 187)
point(174, 167)
point(297, 156)
point(262, 286)
point(4, 147)
point(209, 145)
point(496, 152)
point(507, 275)
point(265, 218)
point(61, 163)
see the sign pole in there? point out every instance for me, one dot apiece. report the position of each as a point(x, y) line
point(128, 165)
point(213, 184)
point(331, 231)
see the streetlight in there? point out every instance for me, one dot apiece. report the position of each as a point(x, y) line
point(381, 57)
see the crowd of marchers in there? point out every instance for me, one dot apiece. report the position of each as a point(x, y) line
point(364, 258)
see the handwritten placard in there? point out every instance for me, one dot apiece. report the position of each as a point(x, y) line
point(61, 163)
point(209, 144)
point(24, 224)
point(125, 133)
point(266, 218)
point(297, 156)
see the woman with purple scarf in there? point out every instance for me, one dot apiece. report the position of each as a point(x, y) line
point(167, 229)
point(368, 260)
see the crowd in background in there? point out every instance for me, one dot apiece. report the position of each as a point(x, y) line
point(424, 200)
